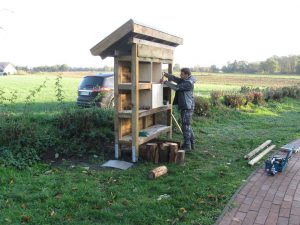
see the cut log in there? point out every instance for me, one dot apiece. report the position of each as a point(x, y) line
point(173, 152)
point(164, 153)
point(259, 148)
point(262, 154)
point(151, 151)
point(157, 172)
point(180, 157)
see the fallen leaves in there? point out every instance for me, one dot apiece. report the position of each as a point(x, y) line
point(58, 195)
point(25, 219)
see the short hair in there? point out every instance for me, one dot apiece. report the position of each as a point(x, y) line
point(186, 71)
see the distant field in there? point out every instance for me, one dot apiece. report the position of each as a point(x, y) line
point(45, 101)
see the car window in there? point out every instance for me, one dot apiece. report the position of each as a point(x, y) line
point(91, 82)
point(109, 82)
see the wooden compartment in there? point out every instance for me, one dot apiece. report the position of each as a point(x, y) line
point(152, 98)
point(145, 73)
point(126, 127)
point(156, 72)
point(125, 72)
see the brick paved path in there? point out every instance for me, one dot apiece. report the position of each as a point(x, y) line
point(268, 200)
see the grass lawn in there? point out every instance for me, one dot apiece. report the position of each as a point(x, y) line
point(197, 192)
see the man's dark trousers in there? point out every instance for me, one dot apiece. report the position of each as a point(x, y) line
point(188, 134)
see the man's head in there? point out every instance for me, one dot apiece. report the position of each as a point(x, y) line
point(185, 73)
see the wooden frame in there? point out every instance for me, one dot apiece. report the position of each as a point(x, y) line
point(139, 52)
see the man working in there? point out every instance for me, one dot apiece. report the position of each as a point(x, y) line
point(184, 98)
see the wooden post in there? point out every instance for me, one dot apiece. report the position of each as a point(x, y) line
point(117, 108)
point(135, 103)
point(180, 157)
point(157, 172)
point(262, 154)
point(173, 152)
point(259, 148)
point(169, 112)
point(151, 151)
point(164, 153)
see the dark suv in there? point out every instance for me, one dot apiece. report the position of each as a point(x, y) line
point(96, 90)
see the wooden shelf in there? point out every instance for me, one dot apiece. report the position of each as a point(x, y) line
point(153, 132)
point(142, 113)
point(127, 86)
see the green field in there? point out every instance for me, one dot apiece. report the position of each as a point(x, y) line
point(196, 192)
point(46, 100)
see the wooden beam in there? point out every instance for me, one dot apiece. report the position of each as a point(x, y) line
point(150, 43)
point(259, 148)
point(262, 154)
point(117, 108)
point(117, 35)
point(135, 102)
point(151, 32)
point(169, 113)
point(154, 52)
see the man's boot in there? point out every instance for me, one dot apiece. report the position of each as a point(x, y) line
point(186, 147)
point(193, 145)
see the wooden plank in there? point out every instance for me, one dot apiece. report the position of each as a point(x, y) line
point(117, 109)
point(142, 86)
point(135, 103)
point(151, 32)
point(142, 113)
point(145, 59)
point(153, 132)
point(256, 150)
point(150, 43)
point(114, 37)
point(154, 52)
point(170, 112)
point(262, 154)
point(157, 96)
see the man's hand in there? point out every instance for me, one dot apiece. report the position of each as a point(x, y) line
point(161, 80)
point(165, 74)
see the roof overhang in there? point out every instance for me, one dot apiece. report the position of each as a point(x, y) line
point(121, 39)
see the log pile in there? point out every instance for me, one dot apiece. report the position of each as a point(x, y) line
point(164, 152)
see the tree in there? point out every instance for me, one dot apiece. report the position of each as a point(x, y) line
point(272, 65)
point(298, 67)
point(214, 69)
point(176, 67)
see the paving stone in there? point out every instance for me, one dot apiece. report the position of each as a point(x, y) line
point(268, 200)
point(283, 221)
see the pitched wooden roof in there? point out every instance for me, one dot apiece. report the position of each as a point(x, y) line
point(119, 39)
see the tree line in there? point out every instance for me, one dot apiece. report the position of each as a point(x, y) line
point(273, 65)
point(63, 68)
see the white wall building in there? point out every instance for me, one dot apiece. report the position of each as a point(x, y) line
point(7, 69)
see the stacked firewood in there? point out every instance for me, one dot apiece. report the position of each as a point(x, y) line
point(163, 152)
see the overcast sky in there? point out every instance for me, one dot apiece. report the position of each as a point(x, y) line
point(49, 32)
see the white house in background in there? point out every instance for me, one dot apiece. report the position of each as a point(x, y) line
point(7, 69)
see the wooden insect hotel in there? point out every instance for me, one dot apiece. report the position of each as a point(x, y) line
point(143, 106)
